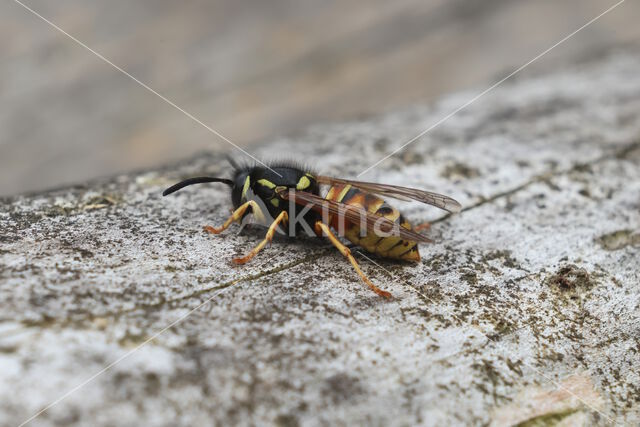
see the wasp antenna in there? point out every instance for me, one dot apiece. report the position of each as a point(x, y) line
point(195, 180)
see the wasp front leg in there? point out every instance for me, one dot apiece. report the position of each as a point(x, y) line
point(270, 233)
point(236, 216)
point(324, 228)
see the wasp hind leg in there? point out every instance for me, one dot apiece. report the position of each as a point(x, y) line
point(270, 233)
point(235, 216)
point(322, 227)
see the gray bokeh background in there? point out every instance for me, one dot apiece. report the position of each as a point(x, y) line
point(252, 70)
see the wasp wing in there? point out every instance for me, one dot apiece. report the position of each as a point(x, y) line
point(374, 223)
point(397, 192)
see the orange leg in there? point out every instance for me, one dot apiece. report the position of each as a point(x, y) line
point(322, 227)
point(424, 226)
point(235, 216)
point(272, 230)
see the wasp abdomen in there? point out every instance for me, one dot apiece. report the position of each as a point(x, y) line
point(387, 247)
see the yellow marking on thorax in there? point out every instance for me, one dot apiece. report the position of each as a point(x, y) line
point(266, 183)
point(245, 188)
point(275, 202)
point(303, 183)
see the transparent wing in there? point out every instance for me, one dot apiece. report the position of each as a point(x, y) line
point(374, 223)
point(397, 192)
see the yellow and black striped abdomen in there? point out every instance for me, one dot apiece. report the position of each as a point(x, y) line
point(388, 247)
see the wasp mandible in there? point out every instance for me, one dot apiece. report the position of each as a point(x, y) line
point(352, 208)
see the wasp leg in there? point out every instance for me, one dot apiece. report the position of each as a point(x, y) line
point(235, 216)
point(272, 230)
point(322, 227)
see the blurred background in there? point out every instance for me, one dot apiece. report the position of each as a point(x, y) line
point(252, 70)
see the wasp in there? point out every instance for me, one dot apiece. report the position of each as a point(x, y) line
point(289, 195)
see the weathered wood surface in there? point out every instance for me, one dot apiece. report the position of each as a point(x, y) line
point(526, 310)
